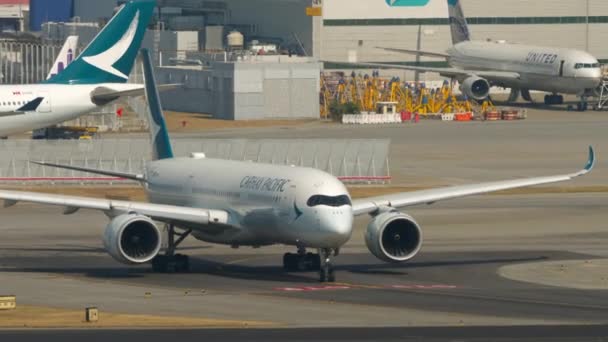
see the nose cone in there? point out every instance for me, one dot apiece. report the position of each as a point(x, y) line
point(337, 226)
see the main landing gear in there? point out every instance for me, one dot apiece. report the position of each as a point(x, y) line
point(171, 262)
point(554, 99)
point(303, 261)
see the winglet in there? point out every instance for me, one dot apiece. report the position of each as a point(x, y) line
point(590, 163)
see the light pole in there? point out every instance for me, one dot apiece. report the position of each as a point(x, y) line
point(587, 28)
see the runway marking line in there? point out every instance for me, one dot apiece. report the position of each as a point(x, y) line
point(338, 287)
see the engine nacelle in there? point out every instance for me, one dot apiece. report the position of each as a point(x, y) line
point(132, 239)
point(393, 237)
point(475, 88)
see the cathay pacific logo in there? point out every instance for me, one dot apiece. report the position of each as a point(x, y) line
point(407, 3)
point(106, 60)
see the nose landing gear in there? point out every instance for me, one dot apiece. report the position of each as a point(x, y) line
point(583, 105)
point(326, 273)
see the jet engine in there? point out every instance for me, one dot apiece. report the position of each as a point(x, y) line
point(475, 88)
point(132, 239)
point(393, 237)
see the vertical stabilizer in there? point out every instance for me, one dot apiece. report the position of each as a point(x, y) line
point(65, 57)
point(458, 23)
point(110, 56)
point(159, 136)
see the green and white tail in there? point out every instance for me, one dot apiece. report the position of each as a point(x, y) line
point(458, 23)
point(110, 57)
point(159, 135)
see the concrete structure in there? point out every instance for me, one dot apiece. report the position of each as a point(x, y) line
point(263, 87)
point(14, 15)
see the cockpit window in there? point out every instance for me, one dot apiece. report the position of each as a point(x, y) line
point(586, 65)
point(335, 201)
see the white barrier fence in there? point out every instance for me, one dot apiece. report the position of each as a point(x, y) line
point(371, 119)
point(353, 161)
point(378, 119)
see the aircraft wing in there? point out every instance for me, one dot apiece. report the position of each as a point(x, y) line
point(401, 200)
point(28, 107)
point(105, 94)
point(416, 52)
point(112, 208)
point(496, 76)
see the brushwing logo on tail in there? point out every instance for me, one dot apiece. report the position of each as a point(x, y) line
point(106, 60)
point(407, 3)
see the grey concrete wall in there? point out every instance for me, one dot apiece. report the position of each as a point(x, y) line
point(246, 91)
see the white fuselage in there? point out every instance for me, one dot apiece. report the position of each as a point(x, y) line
point(267, 204)
point(553, 70)
point(60, 103)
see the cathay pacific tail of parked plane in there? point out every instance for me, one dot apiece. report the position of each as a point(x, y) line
point(65, 57)
point(95, 78)
point(478, 65)
point(240, 203)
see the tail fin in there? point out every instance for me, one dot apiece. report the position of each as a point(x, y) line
point(110, 56)
point(159, 136)
point(65, 57)
point(458, 23)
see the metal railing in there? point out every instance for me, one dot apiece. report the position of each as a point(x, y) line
point(353, 161)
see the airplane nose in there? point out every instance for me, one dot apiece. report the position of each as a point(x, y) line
point(338, 227)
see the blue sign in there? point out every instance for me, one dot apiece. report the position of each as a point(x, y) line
point(407, 3)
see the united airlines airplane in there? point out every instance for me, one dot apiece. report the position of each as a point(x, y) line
point(94, 79)
point(478, 65)
point(241, 203)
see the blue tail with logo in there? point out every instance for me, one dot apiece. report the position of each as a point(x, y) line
point(159, 135)
point(458, 23)
point(109, 58)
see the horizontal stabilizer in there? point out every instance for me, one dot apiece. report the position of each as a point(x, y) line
point(416, 52)
point(28, 107)
point(32, 105)
point(136, 177)
point(105, 94)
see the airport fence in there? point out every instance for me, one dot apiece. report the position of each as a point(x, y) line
point(353, 161)
point(26, 63)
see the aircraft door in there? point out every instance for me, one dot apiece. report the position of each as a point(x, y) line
point(45, 105)
point(561, 68)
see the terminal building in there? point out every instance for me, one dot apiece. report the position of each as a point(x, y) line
point(343, 28)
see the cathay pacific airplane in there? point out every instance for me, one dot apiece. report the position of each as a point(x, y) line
point(241, 203)
point(96, 78)
point(478, 65)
